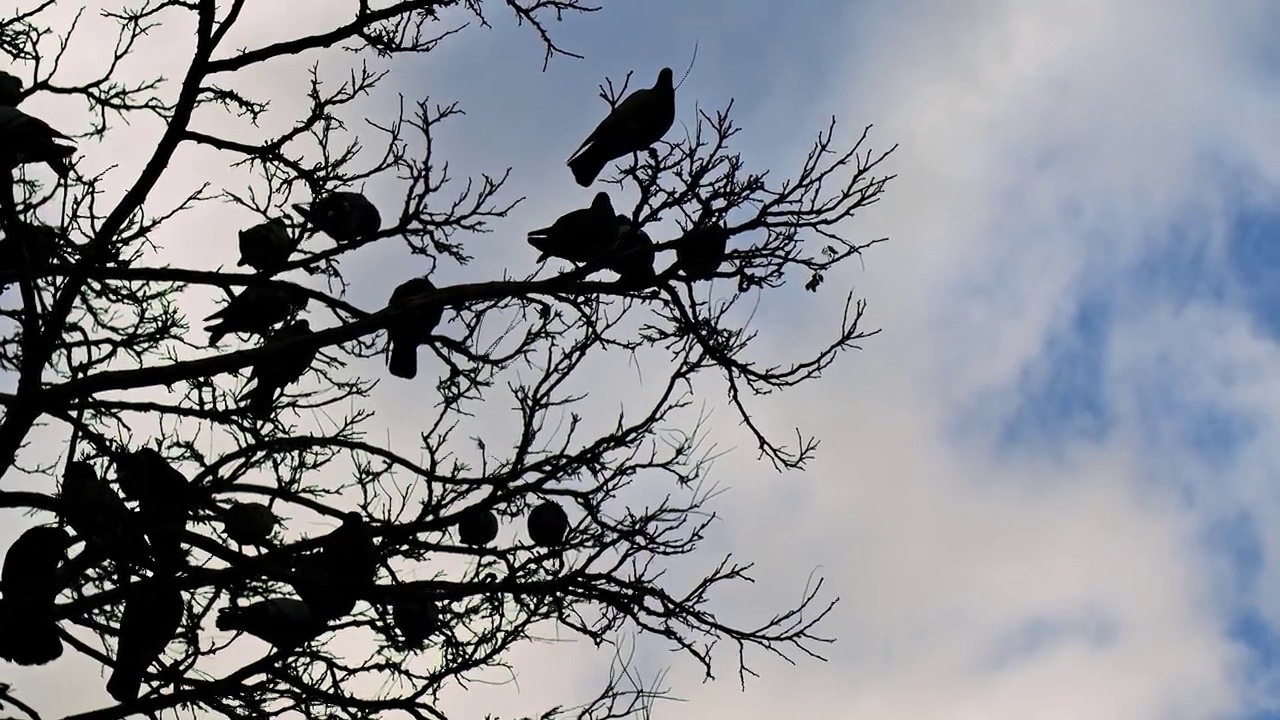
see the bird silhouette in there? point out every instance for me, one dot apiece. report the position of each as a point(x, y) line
point(634, 254)
point(284, 622)
point(165, 500)
point(415, 613)
point(701, 251)
point(404, 336)
point(331, 580)
point(25, 139)
point(547, 524)
point(28, 633)
point(152, 613)
point(639, 121)
point(26, 248)
point(477, 527)
point(280, 370)
point(96, 513)
point(249, 523)
point(256, 310)
point(266, 247)
point(579, 236)
point(10, 89)
point(147, 478)
point(342, 215)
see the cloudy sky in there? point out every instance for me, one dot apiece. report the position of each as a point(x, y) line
point(1045, 489)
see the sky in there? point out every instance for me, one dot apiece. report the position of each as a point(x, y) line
point(1044, 489)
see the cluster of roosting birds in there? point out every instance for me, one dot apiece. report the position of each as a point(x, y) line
point(595, 235)
point(328, 576)
point(141, 530)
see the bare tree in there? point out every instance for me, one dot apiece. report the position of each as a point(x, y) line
point(103, 359)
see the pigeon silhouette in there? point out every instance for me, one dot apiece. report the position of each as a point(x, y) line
point(249, 523)
point(284, 368)
point(415, 613)
point(579, 236)
point(28, 633)
point(342, 215)
point(634, 255)
point(256, 310)
point(25, 139)
point(331, 580)
point(547, 524)
point(639, 121)
point(701, 251)
point(96, 513)
point(10, 89)
point(477, 527)
point(152, 613)
point(284, 622)
point(165, 500)
point(26, 248)
point(404, 336)
point(266, 247)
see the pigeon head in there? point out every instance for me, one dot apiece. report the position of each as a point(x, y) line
point(666, 79)
point(147, 455)
point(602, 203)
point(297, 298)
point(54, 536)
point(79, 471)
point(10, 89)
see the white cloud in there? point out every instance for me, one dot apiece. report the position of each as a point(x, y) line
point(1045, 147)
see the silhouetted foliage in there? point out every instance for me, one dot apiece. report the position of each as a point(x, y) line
point(181, 484)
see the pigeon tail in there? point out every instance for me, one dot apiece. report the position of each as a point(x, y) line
point(587, 166)
point(260, 400)
point(230, 619)
point(28, 643)
point(59, 167)
point(216, 333)
point(124, 684)
point(403, 360)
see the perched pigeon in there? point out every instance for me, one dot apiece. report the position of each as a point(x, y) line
point(97, 514)
point(416, 614)
point(10, 89)
point(344, 216)
point(165, 500)
point(25, 139)
point(341, 572)
point(266, 247)
point(145, 477)
point(634, 255)
point(477, 527)
point(26, 247)
point(281, 369)
point(152, 613)
point(404, 336)
point(580, 236)
point(256, 310)
point(249, 523)
point(284, 622)
point(28, 635)
point(548, 524)
point(639, 121)
point(701, 251)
